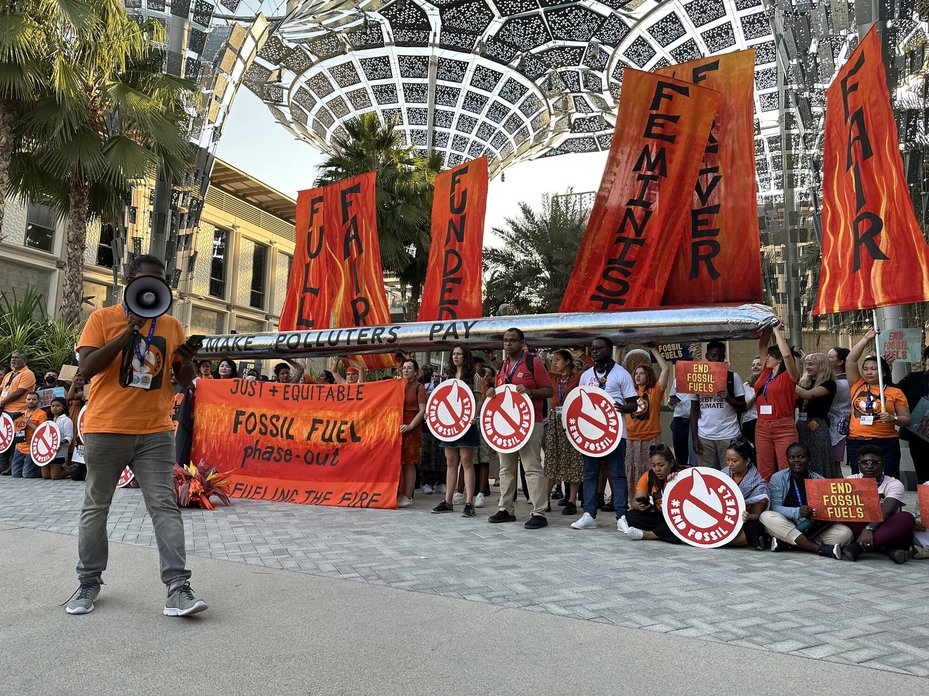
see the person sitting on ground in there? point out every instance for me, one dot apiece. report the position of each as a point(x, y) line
point(644, 517)
point(893, 535)
point(57, 468)
point(790, 519)
point(740, 467)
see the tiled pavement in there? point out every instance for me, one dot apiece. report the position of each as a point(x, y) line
point(870, 613)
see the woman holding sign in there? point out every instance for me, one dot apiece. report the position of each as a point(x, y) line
point(414, 410)
point(893, 535)
point(775, 398)
point(464, 448)
point(562, 461)
point(875, 414)
point(643, 428)
point(815, 394)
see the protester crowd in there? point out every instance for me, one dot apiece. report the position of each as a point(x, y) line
point(795, 418)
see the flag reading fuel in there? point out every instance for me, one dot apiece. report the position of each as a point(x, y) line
point(718, 260)
point(873, 251)
point(635, 227)
point(453, 274)
point(308, 304)
point(318, 444)
point(359, 298)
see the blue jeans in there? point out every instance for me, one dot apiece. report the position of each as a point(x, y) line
point(680, 436)
point(616, 462)
point(22, 466)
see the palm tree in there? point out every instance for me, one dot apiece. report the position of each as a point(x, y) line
point(530, 271)
point(106, 119)
point(403, 193)
point(25, 36)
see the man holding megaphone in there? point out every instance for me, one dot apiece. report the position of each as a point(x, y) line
point(126, 352)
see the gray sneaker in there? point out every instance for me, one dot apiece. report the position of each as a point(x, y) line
point(82, 601)
point(181, 602)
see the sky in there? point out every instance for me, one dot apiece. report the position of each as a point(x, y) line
point(255, 143)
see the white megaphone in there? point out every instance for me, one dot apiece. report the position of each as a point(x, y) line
point(148, 297)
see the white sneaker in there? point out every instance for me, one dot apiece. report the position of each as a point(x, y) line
point(622, 525)
point(403, 501)
point(586, 522)
point(428, 489)
point(479, 500)
point(635, 534)
point(458, 498)
point(440, 489)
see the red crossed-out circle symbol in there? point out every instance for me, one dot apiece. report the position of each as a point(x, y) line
point(80, 423)
point(45, 443)
point(450, 410)
point(7, 431)
point(507, 419)
point(703, 507)
point(125, 478)
point(591, 421)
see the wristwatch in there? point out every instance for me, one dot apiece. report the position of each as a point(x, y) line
point(871, 528)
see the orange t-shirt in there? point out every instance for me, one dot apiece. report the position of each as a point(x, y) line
point(113, 408)
point(645, 423)
point(21, 379)
point(38, 417)
point(642, 489)
point(862, 396)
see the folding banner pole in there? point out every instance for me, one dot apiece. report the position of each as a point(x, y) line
point(877, 349)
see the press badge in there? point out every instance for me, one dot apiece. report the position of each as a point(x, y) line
point(558, 411)
point(766, 409)
point(141, 380)
point(866, 420)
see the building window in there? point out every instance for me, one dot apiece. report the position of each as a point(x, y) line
point(105, 246)
point(218, 264)
point(40, 228)
point(259, 273)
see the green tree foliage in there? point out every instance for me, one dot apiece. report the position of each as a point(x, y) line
point(104, 116)
point(530, 270)
point(25, 325)
point(403, 193)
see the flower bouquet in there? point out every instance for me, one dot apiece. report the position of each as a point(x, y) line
point(197, 483)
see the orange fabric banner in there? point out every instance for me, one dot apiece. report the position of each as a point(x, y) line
point(359, 298)
point(644, 198)
point(720, 255)
point(308, 304)
point(874, 253)
point(453, 276)
point(317, 444)
point(844, 500)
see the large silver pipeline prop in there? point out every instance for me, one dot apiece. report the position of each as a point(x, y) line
point(541, 330)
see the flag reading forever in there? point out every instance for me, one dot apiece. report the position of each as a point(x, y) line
point(308, 304)
point(644, 198)
point(359, 298)
point(719, 259)
point(453, 275)
point(874, 253)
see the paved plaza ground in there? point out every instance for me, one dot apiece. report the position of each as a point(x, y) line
point(329, 600)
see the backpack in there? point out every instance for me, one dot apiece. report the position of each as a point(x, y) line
point(530, 364)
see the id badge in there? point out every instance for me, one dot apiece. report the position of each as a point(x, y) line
point(141, 380)
point(801, 416)
point(866, 420)
point(558, 411)
point(766, 409)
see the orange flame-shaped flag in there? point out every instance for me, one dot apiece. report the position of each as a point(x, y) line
point(874, 253)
